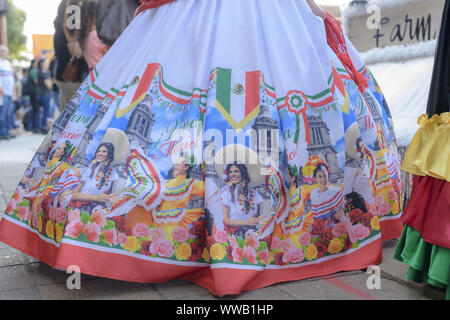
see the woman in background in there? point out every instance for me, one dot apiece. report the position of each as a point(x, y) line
point(93, 48)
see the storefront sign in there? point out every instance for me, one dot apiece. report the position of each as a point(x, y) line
point(406, 23)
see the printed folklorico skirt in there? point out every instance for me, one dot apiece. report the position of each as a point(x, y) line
point(216, 140)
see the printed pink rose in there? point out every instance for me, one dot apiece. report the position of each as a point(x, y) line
point(372, 209)
point(275, 243)
point(180, 234)
point(141, 230)
point(23, 213)
point(157, 234)
point(305, 238)
point(340, 229)
point(379, 199)
point(250, 254)
point(162, 248)
point(92, 232)
point(74, 215)
point(237, 254)
point(358, 232)
point(122, 238)
point(110, 237)
point(52, 214)
point(297, 255)
point(73, 229)
point(98, 217)
point(286, 245)
point(384, 209)
point(18, 196)
point(220, 236)
point(263, 255)
point(233, 241)
point(252, 241)
point(61, 215)
point(293, 255)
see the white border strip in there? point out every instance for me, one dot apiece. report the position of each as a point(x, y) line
point(397, 216)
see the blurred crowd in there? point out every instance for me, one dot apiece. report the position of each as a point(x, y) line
point(32, 98)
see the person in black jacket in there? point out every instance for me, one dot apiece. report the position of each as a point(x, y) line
point(113, 16)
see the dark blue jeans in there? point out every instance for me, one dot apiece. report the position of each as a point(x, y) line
point(44, 101)
point(6, 110)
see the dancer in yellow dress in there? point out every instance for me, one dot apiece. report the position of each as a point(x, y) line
point(173, 211)
point(300, 217)
point(55, 188)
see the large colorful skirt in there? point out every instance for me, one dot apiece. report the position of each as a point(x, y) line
point(216, 140)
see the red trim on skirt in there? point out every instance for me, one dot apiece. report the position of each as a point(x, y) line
point(128, 268)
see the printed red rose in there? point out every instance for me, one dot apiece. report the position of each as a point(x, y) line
point(365, 219)
point(197, 252)
point(327, 236)
point(321, 248)
point(318, 227)
point(197, 230)
point(355, 215)
point(119, 223)
point(145, 248)
point(230, 253)
point(278, 259)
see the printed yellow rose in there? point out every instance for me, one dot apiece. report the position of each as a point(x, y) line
point(59, 232)
point(395, 208)
point(205, 254)
point(217, 252)
point(336, 245)
point(311, 252)
point(183, 252)
point(375, 223)
point(132, 244)
point(50, 230)
point(40, 224)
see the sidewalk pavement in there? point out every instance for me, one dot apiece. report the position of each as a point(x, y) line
point(25, 278)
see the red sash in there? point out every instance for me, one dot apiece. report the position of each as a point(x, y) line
point(148, 4)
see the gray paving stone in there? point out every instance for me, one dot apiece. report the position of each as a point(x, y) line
point(102, 289)
point(390, 265)
point(352, 287)
point(268, 293)
point(11, 257)
point(16, 277)
point(21, 294)
point(46, 275)
point(197, 298)
point(179, 288)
